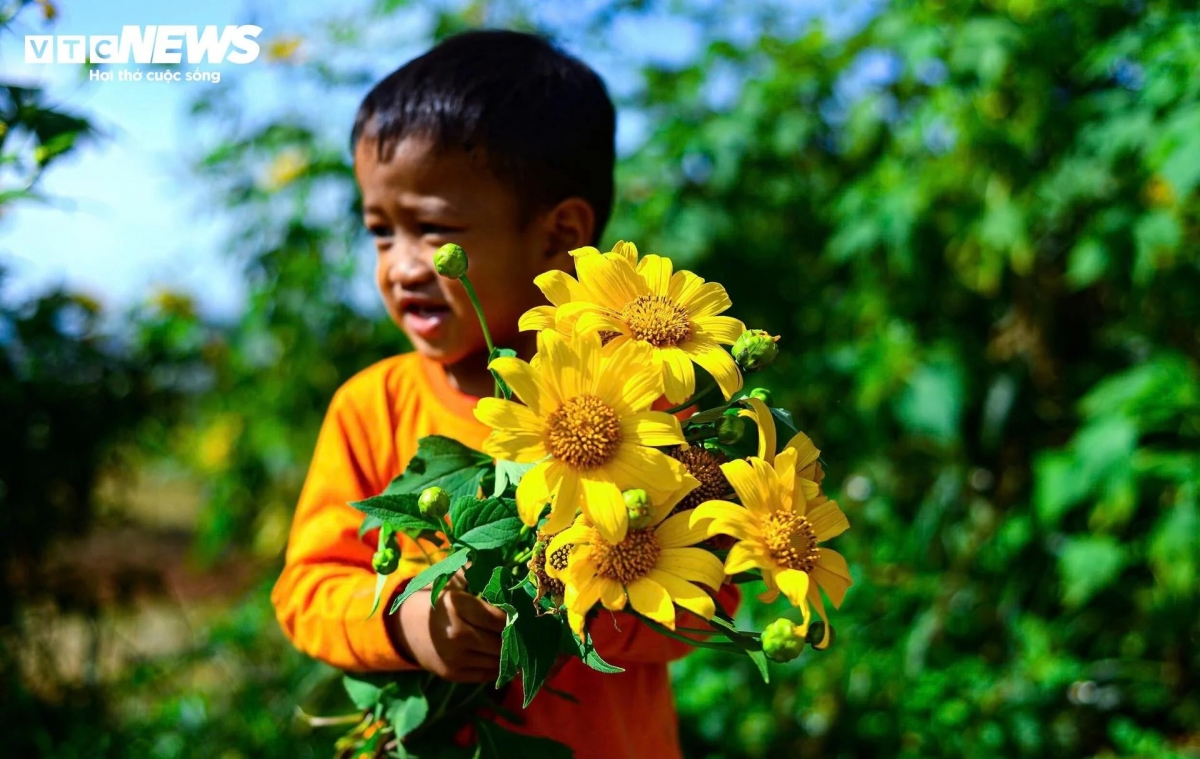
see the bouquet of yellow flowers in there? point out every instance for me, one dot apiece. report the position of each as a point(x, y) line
point(605, 485)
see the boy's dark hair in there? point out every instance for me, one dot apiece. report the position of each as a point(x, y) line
point(543, 119)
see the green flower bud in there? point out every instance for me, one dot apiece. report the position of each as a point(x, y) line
point(755, 350)
point(782, 641)
point(816, 631)
point(763, 395)
point(450, 260)
point(386, 560)
point(434, 502)
point(731, 430)
point(637, 505)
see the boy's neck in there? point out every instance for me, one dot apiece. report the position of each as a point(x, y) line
point(470, 376)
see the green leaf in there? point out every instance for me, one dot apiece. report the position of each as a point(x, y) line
point(784, 417)
point(1057, 486)
point(508, 475)
point(368, 524)
point(760, 661)
point(483, 566)
point(400, 510)
point(530, 644)
point(496, 353)
point(1088, 564)
point(385, 532)
point(408, 709)
point(497, 743)
point(586, 651)
point(494, 534)
point(469, 514)
point(445, 567)
point(932, 402)
point(446, 463)
point(365, 690)
point(741, 639)
point(706, 417)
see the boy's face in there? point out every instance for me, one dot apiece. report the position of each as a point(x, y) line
point(421, 199)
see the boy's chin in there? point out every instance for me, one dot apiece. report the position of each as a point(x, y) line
point(447, 354)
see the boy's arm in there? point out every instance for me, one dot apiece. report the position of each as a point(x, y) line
point(325, 592)
point(621, 638)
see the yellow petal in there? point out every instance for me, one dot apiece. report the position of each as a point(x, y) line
point(684, 594)
point(716, 361)
point(765, 420)
point(806, 452)
point(525, 382)
point(536, 318)
point(663, 507)
point(651, 470)
point(651, 600)
point(709, 299)
point(744, 556)
point(587, 350)
point(684, 286)
point(693, 565)
point(611, 283)
point(559, 287)
point(679, 376)
point(827, 521)
point(533, 492)
point(785, 476)
point(724, 329)
point(572, 536)
point(599, 321)
point(655, 271)
point(747, 482)
point(580, 600)
point(612, 594)
point(814, 598)
point(676, 532)
point(726, 519)
point(626, 250)
point(794, 584)
point(652, 428)
point(553, 353)
point(604, 506)
point(833, 575)
point(568, 496)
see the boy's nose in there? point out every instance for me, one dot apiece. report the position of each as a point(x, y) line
point(411, 266)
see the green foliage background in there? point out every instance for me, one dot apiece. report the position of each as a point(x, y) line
point(976, 226)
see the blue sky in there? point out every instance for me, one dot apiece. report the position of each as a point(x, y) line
point(125, 217)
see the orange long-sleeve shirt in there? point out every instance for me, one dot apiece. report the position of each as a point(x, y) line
point(325, 592)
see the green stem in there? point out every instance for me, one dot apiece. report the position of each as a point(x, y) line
point(694, 399)
point(466, 283)
point(487, 335)
point(727, 647)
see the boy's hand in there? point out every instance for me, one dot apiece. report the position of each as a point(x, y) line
point(458, 639)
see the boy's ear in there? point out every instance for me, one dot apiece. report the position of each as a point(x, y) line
point(569, 225)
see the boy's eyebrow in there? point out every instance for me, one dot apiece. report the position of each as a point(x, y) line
point(429, 204)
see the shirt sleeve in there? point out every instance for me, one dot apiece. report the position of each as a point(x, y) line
point(620, 638)
point(323, 597)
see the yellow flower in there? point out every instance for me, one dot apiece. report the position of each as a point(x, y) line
point(652, 569)
point(587, 420)
point(779, 531)
point(624, 299)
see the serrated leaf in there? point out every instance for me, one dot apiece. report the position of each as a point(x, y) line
point(509, 474)
point(496, 353)
point(586, 652)
point(494, 534)
point(400, 510)
point(446, 463)
point(446, 566)
point(479, 573)
point(467, 514)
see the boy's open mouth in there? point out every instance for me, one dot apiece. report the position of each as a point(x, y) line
point(424, 319)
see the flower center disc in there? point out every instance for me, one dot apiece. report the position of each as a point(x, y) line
point(705, 466)
point(583, 432)
point(629, 560)
point(791, 541)
point(658, 320)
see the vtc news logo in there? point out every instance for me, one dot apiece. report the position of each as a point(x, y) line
point(148, 44)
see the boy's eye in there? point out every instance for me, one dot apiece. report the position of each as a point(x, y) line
point(378, 230)
point(427, 228)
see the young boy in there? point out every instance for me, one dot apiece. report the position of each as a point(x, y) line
point(498, 142)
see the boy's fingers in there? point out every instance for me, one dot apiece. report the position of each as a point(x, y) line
point(458, 581)
point(481, 614)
